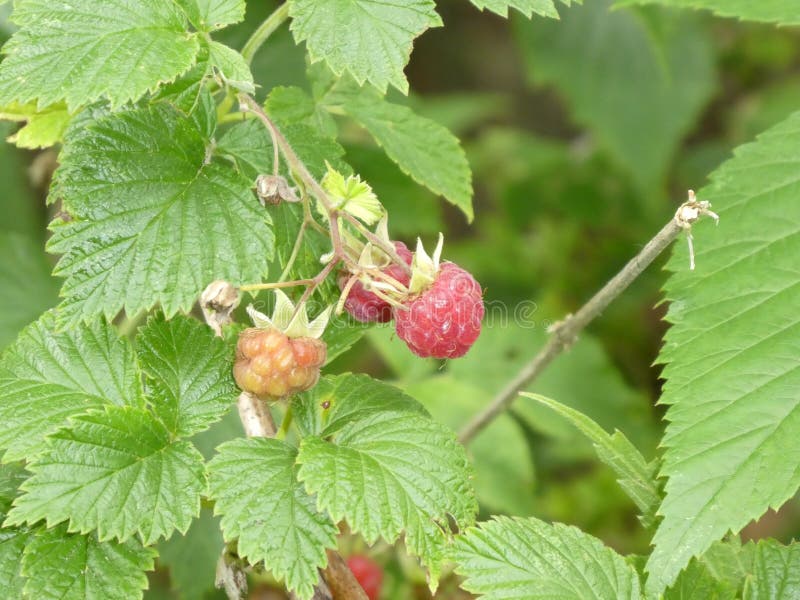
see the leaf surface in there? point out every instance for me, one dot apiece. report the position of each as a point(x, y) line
point(769, 11)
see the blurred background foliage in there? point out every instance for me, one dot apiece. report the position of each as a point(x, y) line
point(583, 135)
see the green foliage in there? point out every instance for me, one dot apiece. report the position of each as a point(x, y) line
point(516, 559)
point(348, 33)
point(268, 512)
point(776, 572)
point(152, 218)
point(44, 128)
point(207, 15)
point(770, 11)
point(546, 8)
point(725, 430)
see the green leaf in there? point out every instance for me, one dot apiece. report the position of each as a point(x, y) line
point(44, 128)
point(389, 473)
point(117, 471)
point(545, 8)
point(732, 377)
point(189, 373)
point(697, 583)
point(192, 558)
point(776, 572)
point(80, 51)
point(292, 105)
point(153, 220)
point(519, 559)
point(348, 398)
point(370, 39)
point(48, 376)
point(638, 88)
point(262, 504)
point(636, 476)
point(26, 287)
point(769, 11)
point(11, 477)
point(208, 15)
point(63, 566)
point(232, 67)
point(422, 148)
point(12, 544)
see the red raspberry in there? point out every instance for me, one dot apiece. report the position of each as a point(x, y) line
point(445, 319)
point(272, 365)
point(368, 573)
point(365, 306)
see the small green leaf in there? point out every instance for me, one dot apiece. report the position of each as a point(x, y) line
point(636, 476)
point(776, 572)
point(262, 504)
point(117, 471)
point(208, 15)
point(340, 399)
point(697, 583)
point(81, 51)
point(370, 39)
point(44, 128)
point(768, 11)
point(153, 218)
point(519, 559)
point(189, 373)
point(232, 67)
point(545, 8)
point(48, 376)
point(63, 566)
point(392, 473)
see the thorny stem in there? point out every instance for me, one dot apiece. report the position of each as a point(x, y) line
point(564, 333)
point(266, 29)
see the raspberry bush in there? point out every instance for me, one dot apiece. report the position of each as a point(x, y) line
point(232, 377)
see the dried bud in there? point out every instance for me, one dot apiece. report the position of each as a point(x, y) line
point(218, 301)
point(272, 189)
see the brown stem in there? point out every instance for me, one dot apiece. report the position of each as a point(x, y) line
point(566, 332)
point(340, 579)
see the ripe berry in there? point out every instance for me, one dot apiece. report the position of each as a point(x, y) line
point(365, 306)
point(444, 319)
point(270, 364)
point(368, 573)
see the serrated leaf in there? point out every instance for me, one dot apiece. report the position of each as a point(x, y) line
point(520, 559)
point(341, 399)
point(697, 583)
point(189, 373)
point(545, 8)
point(262, 504)
point(208, 15)
point(769, 11)
point(370, 39)
point(636, 476)
point(391, 473)
point(11, 477)
point(48, 376)
point(292, 105)
point(231, 67)
point(732, 375)
point(63, 566)
point(117, 471)
point(43, 128)
point(12, 544)
point(776, 572)
point(637, 88)
point(422, 148)
point(153, 220)
point(81, 51)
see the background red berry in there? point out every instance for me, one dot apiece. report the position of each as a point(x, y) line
point(365, 306)
point(368, 573)
point(445, 319)
point(269, 364)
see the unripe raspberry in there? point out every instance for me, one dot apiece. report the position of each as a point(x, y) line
point(270, 364)
point(444, 320)
point(368, 573)
point(365, 306)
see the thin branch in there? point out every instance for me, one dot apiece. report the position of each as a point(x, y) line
point(266, 29)
point(564, 333)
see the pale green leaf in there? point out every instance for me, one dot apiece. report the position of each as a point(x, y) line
point(340, 399)
point(785, 12)
point(776, 572)
point(255, 487)
point(80, 51)
point(63, 566)
point(26, 287)
point(152, 218)
point(231, 67)
point(43, 128)
point(732, 375)
point(422, 148)
point(370, 39)
point(636, 476)
point(637, 89)
point(117, 471)
point(208, 15)
point(49, 375)
point(523, 559)
point(392, 473)
point(545, 8)
point(189, 373)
